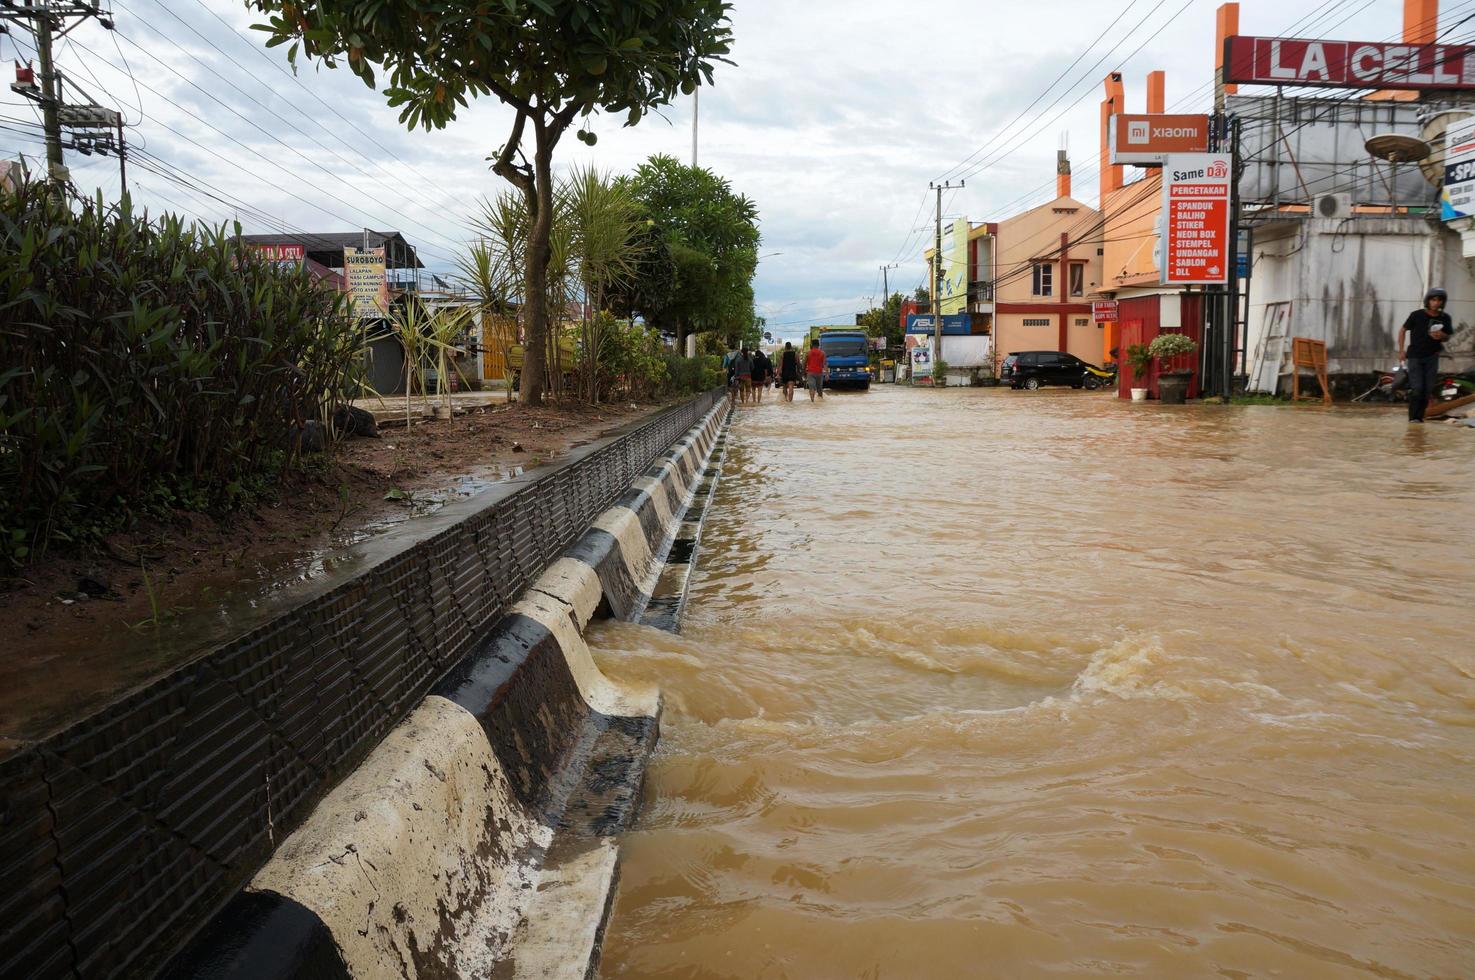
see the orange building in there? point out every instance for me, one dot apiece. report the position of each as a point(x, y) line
point(1033, 276)
point(1049, 270)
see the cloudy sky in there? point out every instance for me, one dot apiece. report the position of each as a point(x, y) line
point(834, 119)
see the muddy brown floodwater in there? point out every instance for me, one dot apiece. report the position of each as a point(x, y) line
point(996, 684)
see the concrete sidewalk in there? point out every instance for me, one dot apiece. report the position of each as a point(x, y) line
point(389, 407)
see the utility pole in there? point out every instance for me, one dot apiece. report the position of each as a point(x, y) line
point(937, 279)
point(50, 117)
point(886, 283)
point(91, 126)
point(696, 111)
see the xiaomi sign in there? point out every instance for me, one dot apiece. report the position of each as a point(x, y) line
point(1148, 139)
point(1348, 64)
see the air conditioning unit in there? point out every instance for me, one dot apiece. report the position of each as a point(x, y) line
point(1333, 206)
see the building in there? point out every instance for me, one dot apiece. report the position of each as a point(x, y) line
point(1049, 270)
point(1027, 281)
point(403, 276)
point(1337, 245)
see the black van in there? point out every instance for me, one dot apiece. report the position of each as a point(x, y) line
point(1033, 368)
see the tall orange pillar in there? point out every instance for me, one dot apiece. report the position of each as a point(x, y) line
point(1226, 25)
point(1157, 91)
point(1115, 101)
point(1420, 21)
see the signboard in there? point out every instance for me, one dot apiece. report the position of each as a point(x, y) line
point(1103, 311)
point(1148, 139)
point(281, 253)
point(1457, 200)
point(922, 360)
point(954, 294)
point(367, 285)
point(1196, 218)
point(1348, 64)
point(953, 324)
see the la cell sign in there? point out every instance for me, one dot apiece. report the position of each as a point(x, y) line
point(1348, 64)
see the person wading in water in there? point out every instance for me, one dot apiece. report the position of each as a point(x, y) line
point(762, 374)
point(789, 370)
point(1421, 341)
point(814, 370)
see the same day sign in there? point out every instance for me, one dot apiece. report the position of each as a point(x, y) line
point(1195, 211)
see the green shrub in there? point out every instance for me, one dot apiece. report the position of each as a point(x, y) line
point(145, 364)
point(693, 375)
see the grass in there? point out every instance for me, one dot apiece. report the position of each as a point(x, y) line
point(1269, 400)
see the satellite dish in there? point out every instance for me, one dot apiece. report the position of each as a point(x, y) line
point(1397, 147)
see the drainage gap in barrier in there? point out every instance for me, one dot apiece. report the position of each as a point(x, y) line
point(667, 598)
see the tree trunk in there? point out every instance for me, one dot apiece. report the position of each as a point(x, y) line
point(535, 290)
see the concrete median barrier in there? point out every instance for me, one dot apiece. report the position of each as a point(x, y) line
point(478, 838)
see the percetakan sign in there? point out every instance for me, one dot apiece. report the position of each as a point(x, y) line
point(1348, 64)
point(1148, 139)
point(1457, 199)
point(1196, 218)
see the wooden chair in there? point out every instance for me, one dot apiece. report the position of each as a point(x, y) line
point(1308, 353)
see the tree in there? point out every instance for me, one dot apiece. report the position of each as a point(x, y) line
point(713, 237)
point(551, 61)
point(885, 320)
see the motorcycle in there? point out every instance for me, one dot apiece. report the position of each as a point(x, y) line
point(1391, 386)
point(1096, 378)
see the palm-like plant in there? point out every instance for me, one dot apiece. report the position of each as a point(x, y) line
point(605, 221)
point(488, 272)
point(594, 247)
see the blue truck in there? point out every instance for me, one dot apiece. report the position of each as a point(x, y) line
point(847, 356)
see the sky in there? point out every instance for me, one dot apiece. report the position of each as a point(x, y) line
point(833, 120)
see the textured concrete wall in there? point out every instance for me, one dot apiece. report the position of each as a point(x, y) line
point(478, 838)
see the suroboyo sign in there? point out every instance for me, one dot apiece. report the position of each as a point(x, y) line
point(1196, 218)
point(1348, 64)
point(1147, 139)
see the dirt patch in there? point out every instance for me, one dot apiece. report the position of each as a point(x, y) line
point(81, 628)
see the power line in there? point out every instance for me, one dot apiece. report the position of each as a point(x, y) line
point(267, 133)
point(258, 154)
point(402, 187)
point(960, 166)
point(298, 82)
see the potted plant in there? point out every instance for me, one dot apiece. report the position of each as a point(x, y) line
point(1172, 386)
point(1141, 362)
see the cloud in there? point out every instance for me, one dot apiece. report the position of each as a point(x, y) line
point(834, 118)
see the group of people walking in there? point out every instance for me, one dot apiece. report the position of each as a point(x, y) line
point(750, 371)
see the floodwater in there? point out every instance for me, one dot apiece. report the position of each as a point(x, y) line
point(996, 684)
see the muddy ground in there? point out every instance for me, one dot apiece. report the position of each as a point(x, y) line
point(66, 610)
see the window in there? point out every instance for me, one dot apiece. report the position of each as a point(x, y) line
point(1044, 283)
point(1037, 323)
point(1083, 321)
point(1078, 278)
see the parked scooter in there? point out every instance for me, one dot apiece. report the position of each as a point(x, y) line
point(1096, 377)
point(1391, 386)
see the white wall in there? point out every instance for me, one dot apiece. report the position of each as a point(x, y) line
point(1352, 283)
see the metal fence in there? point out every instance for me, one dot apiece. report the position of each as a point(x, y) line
point(124, 833)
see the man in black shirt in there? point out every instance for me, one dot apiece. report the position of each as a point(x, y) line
point(1424, 332)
